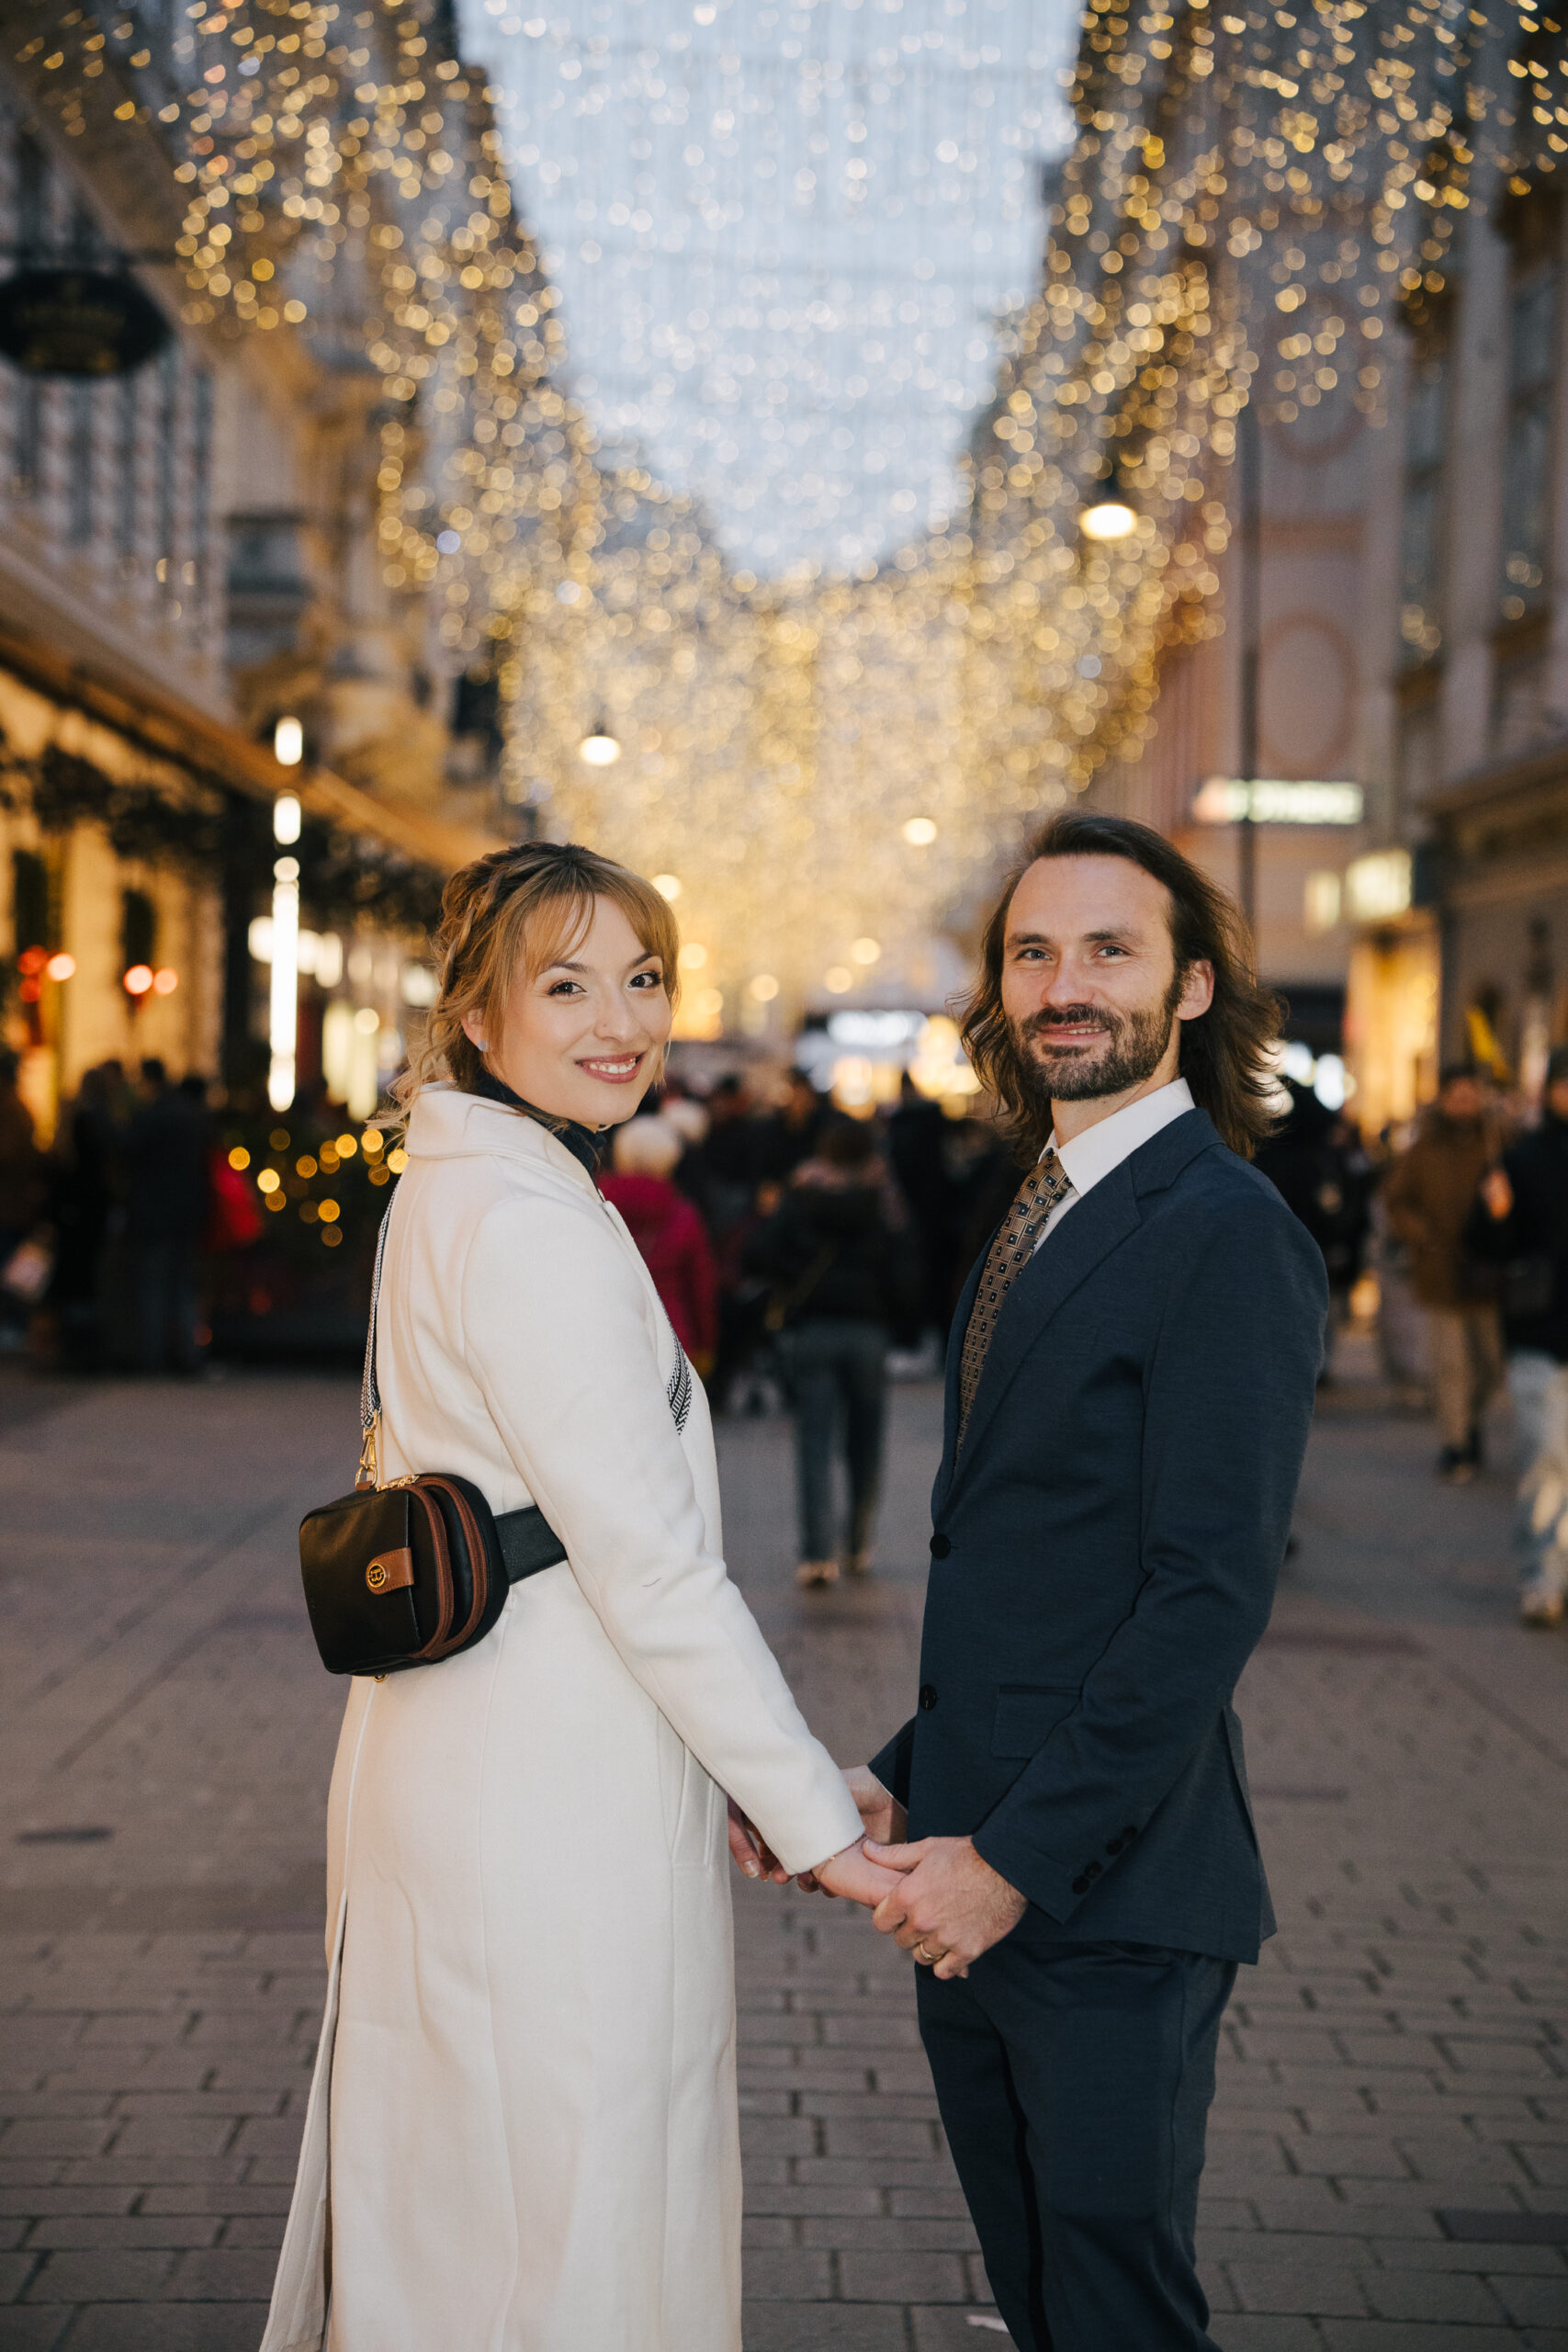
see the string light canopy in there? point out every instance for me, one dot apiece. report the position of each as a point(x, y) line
point(1253, 200)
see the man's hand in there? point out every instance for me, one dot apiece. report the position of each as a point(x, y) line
point(1497, 1193)
point(949, 1905)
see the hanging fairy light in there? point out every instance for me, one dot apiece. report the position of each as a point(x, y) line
point(599, 747)
point(1250, 204)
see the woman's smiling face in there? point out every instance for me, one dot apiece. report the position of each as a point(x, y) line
point(582, 1039)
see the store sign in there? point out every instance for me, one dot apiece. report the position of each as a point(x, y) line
point(1228, 800)
point(876, 1031)
point(1377, 888)
point(85, 322)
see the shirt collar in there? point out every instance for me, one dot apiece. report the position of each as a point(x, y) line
point(585, 1147)
point(1091, 1157)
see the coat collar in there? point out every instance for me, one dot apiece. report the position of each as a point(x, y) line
point(447, 1123)
point(1097, 1225)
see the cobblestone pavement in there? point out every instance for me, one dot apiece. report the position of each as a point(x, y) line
point(1389, 2158)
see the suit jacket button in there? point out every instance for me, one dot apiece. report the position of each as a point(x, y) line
point(928, 1696)
point(941, 1546)
point(1080, 1886)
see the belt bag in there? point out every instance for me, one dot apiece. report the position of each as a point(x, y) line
point(407, 1573)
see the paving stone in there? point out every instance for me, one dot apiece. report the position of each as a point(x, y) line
point(1263, 2284)
point(788, 2275)
point(824, 2327)
point(1258, 2331)
point(117, 2275)
point(170, 2327)
point(1419, 2335)
point(903, 2278)
point(28, 2328)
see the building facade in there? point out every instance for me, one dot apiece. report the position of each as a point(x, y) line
point(188, 556)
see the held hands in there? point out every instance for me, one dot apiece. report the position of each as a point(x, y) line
point(851, 1872)
point(948, 1905)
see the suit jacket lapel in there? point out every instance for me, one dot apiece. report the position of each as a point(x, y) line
point(1094, 1226)
point(961, 1314)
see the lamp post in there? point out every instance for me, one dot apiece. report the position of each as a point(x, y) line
point(1249, 463)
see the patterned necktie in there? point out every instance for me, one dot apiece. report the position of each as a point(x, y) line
point(1046, 1183)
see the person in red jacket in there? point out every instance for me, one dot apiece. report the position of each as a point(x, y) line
point(668, 1231)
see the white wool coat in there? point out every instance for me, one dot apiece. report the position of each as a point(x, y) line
point(522, 2134)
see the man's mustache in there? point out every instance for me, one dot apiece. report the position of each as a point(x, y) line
point(1072, 1016)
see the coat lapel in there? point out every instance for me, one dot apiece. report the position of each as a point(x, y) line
point(961, 1314)
point(1092, 1228)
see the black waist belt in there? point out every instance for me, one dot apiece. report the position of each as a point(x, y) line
point(528, 1543)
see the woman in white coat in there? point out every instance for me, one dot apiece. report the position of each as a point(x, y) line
point(522, 2135)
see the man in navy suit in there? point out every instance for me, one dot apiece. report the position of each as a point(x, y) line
point(1129, 1384)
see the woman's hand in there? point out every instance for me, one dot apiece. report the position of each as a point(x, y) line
point(853, 1873)
point(749, 1850)
point(881, 1814)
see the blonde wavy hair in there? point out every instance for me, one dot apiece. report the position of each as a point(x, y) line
point(529, 904)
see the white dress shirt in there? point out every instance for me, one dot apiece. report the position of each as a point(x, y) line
point(1090, 1157)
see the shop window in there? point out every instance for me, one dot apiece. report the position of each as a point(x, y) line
point(30, 182)
point(1422, 533)
point(29, 901)
point(138, 930)
point(125, 468)
point(1536, 230)
point(1420, 748)
point(79, 471)
point(1522, 712)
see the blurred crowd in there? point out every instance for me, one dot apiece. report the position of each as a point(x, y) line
point(102, 1237)
point(802, 1255)
point(806, 1257)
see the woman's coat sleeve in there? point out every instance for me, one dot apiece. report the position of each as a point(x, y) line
point(559, 1340)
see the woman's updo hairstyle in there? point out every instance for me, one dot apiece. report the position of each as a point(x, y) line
point(530, 904)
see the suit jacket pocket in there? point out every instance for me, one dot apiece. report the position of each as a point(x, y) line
point(1027, 1713)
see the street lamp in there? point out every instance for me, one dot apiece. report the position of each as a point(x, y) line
point(1109, 515)
point(599, 747)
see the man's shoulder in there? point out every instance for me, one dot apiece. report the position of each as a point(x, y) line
point(1216, 1188)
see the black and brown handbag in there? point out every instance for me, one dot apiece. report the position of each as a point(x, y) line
point(412, 1572)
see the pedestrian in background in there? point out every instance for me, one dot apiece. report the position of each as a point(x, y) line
point(1429, 1194)
point(835, 1253)
point(917, 1141)
point(1316, 1161)
point(668, 1232)
point(168, 1154)
point(84, 1191)
point(1520, 1224)
point(785, 1137)
point(22, 1191)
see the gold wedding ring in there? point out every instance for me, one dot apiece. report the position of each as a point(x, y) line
point(929, 1957)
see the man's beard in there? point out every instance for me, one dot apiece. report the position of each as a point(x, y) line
point(1137, 1042)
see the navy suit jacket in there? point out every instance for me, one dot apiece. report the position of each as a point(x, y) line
point(1105, 1553)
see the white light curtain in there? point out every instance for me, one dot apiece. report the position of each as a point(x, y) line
point(785, 237)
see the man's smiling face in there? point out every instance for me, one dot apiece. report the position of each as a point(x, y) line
point(1090, 983)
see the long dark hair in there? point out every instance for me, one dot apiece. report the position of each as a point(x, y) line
point(1226, 1056)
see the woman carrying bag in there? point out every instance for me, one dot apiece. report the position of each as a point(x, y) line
point(522, 2135)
